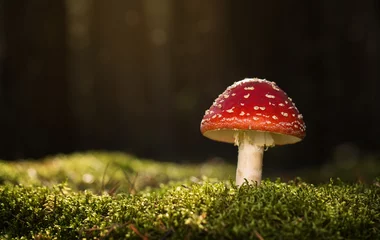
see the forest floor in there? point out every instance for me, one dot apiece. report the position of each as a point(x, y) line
point(102, 195)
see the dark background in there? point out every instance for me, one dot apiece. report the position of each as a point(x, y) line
point(137, 75)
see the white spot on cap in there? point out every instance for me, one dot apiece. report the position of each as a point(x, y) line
point(214, 116)
point(242, 104)
point(231, 110)
point(293, 115)
point(242, 113)
point(226, 95)
point(274, 117)
point(300, 116)
point(233, 94)
point(269, 96)
point(281, 104)
point(256, 107)
point(268, 122)
point(262, 108)
point(255, 118)
point(249, 88)
point(274, 86)
point(284, 114)
point(247, 96)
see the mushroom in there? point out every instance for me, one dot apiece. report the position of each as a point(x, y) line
point(253, 114)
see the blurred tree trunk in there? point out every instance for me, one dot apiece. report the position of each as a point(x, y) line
point(34, 86)
point(350, 51)
point(158, 16)
point(361, 59)
point(2, 57)
point(202, 68)
point(122, 83)
point(2, 51)
point(81, 70)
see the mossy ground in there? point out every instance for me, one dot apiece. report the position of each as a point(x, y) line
point(116, 196)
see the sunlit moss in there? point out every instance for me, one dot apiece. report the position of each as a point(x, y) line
point(117, 196)
point(106, 171)
point(208, 209)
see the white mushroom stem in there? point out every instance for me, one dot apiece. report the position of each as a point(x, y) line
point(250, 158)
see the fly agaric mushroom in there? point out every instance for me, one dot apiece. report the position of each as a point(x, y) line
point(253, 114)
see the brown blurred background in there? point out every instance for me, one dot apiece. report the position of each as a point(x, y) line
point(137, 75)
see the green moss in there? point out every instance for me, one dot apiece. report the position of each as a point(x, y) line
point(106, 172)
point(209, 209)
point(117, 196)
point(119, 172)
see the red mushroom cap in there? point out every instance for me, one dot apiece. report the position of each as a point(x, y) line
point(254, 105)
